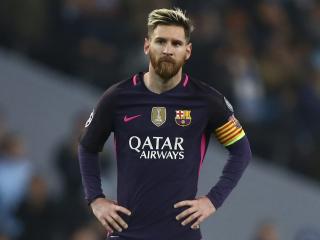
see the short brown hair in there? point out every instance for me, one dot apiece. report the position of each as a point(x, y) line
point(174, 16)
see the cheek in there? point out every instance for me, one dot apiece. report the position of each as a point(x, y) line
point(183, 55)
point(155, 49)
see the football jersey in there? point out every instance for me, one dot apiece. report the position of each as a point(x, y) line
point(160, 143)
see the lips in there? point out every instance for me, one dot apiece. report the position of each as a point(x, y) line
point(166, 60)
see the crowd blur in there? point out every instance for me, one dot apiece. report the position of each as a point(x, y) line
point(28, 211)
point(264, 56)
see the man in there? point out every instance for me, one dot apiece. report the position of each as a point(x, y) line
point(162, 121)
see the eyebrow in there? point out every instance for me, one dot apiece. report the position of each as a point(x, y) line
point(173, 40)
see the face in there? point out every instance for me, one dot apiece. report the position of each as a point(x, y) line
point(168, 50)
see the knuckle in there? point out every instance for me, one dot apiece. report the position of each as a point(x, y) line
point(111, 221)
point(116, 217)
point(117, 227)
point(115, 224)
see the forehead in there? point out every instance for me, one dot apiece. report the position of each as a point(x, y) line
point(169, 32)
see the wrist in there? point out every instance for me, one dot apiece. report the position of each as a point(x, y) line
point(93, 199)
point(211, 199)
point(210, 203)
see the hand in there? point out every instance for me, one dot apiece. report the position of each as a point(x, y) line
point(199, 209)
point(106, 211)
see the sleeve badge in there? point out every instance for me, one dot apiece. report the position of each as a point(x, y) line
point(228, 104)
point(89, 119)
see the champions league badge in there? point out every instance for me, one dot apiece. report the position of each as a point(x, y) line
point(228, 104)
point(158, 116)
point(89, 119)
point(183, 117)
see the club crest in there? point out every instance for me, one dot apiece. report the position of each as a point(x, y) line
point(158, 116)
point(183, 117)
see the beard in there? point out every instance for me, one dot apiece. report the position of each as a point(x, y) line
point(166, 67)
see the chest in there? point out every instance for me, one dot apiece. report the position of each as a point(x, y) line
point(170, 116)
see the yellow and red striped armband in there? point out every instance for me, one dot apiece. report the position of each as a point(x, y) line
point(230, 132)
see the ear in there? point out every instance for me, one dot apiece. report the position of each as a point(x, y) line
point(146, 46)
point(188, 50)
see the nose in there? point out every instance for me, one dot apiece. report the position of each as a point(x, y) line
point(168, 49)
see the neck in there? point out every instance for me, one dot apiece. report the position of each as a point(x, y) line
point(159, 85)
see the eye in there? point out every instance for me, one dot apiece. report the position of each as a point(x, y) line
point(160, 41)
point(177, 44)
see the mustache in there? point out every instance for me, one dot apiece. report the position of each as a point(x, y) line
point(166, 59)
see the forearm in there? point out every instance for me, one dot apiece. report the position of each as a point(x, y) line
point(90, 173)
point(240, 155)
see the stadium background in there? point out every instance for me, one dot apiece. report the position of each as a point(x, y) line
point(57, 57)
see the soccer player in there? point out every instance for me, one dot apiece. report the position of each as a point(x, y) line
point(162, 122)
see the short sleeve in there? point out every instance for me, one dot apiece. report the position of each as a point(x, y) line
point(100, 123)
point(223, 122)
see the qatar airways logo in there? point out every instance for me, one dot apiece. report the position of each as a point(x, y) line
point(158, 147)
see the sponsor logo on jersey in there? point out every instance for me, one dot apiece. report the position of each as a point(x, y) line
point(89, 119)
point(183, 117)
point(158, 116)
point(157, 147)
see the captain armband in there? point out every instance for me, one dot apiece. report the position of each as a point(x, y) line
point(230, 132)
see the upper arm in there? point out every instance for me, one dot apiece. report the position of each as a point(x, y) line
point(100, 123)
point(223, 122)
point(230, 132)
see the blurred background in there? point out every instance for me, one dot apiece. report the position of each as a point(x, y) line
point(58, 56)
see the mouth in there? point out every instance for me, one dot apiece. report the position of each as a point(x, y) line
point(166, 60)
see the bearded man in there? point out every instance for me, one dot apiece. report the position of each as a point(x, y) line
point(162, 121)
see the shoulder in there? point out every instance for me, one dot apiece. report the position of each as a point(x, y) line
point(111, 93)
point(211, 94)
point(117, 88)
point(219, 108)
